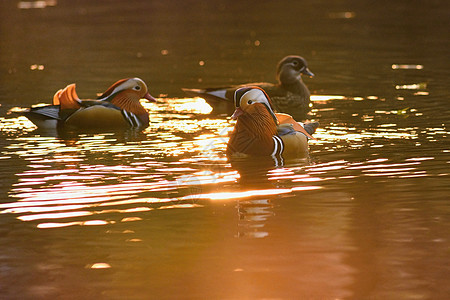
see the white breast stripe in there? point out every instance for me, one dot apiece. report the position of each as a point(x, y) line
point(281, 145)
point(278, 148)
point(275, 147)
point(135, 119)
point(131, 118)
point(125, 115)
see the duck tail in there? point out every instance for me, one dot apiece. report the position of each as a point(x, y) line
point(67, 98)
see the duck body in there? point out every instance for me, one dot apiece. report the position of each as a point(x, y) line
point(258, 130)
point(290, 95)
point(118, 107)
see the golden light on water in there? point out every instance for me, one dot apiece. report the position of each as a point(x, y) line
point(180, 105)
point(68, 181)
point(326, 97)
point(242, 195)
point(185, 205)
point(406, 67)
point(77, 223)
point(414, 86)
point(162, 212)
point(54, 216)
point(99, 266)
point(342, 15)
point(334, 133)
point(38, 4)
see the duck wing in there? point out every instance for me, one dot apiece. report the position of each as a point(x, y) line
point(225, 93)
point(213, 95)
point(221, 99)
point(286, 121)
point(44, 116)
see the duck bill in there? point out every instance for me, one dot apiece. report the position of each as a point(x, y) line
point(149, 97)
point(238, 111)
point(306, 71)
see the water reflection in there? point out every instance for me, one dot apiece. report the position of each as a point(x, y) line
point(176, 161)
point(72, 175)
point(36, 4)
point(365, 217)
point(253, 215)
point(158, 178)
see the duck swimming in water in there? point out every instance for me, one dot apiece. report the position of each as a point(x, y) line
point(290, 95)
point(118, 107)
point(261, 132)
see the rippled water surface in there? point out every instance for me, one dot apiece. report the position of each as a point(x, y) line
point(162, 213)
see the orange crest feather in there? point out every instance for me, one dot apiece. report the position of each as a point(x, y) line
point(67, 98)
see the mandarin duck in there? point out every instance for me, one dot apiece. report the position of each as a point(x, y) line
point(290, 95)
point(261, 132)
point(118, 107)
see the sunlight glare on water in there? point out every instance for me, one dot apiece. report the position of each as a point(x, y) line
point(78, 189)
point(164, 213)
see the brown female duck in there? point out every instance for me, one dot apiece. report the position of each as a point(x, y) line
point(290, 95)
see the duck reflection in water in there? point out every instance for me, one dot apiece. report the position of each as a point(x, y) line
point(253, 215)
point(257, 179)
point(253, 212)
point(260, 141)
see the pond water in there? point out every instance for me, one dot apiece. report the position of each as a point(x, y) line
point(162, 213)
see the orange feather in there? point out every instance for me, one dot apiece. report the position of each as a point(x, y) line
point(67, 98)
point(126, 100)
point(287, 119)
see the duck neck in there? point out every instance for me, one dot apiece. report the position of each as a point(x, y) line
point(295, 86)
point(128, 103)
point(253, 134)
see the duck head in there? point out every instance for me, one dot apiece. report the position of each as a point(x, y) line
point(291, 68)
point(126, 94)
point(254, 109)
point(134, 87)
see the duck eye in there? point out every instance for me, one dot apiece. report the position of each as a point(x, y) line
point(137, 88)
point(249, 102)
point(295, 62)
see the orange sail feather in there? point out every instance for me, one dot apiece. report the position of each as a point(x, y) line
point(287, 119)
point(67, 98)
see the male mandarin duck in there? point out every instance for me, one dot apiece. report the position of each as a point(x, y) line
point(118, 107)
point(261, 132)
point(290, 95)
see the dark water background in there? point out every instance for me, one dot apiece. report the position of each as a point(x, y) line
point(161, 214)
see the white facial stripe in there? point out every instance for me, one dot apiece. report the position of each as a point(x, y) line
point(255, 95)
point(122, 87)
point(129, 84)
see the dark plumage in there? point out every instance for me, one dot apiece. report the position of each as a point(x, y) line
point(290, 95)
